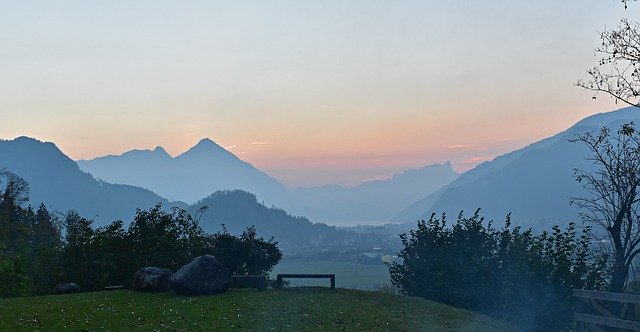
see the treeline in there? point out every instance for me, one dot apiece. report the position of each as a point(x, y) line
point(39, 249)
point(507, 273)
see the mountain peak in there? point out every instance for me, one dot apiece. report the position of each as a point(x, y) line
point(206, 140)
point(207, 146)
point(34, 143)
point(206, 143)
point(26, 139)
point(160, 150)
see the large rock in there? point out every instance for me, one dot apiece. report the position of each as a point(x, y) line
point(151, 279)
point(203, 276)
point(66, 288)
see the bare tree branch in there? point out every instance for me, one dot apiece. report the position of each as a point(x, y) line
point(613, 200)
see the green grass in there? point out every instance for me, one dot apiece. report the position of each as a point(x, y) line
point(294, 309)
point(348, 275)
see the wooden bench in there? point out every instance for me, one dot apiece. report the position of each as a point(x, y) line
point(111, 288)
point(281, 276)
point(255, 281)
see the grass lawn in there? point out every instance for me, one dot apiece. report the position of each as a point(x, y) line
point(348, 275)
point(293, 309)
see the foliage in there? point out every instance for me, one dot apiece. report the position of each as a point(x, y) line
point(613, 199)
point(110, 255)
point(35, 254)
point(166, 239)
point(29, 241)
point(508, 273)
point(13, 276)
point(78, 258)
point(45, 252)
point(246, 254)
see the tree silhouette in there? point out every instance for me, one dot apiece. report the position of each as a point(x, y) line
point(617, 72)
point(613, 202)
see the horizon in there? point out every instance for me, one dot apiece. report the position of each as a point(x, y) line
point(312, 94)
point(173, 156)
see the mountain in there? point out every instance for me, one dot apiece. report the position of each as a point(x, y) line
point(198, 172)
point(374, 201)
point(57, 181)
point(238, 209)
point(534, 183)
point(207, 168)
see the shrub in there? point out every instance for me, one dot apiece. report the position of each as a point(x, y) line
point(509, 274)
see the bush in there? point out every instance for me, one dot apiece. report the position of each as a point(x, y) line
point(35, 256)
point(110, 255)
point(246, 254)
point(14, 280)
point(509, 274)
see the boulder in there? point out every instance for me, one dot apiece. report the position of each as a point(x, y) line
point(203, 276)
point(66, 288)
point(151, 279)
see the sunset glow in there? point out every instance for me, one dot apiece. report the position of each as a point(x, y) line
point(308, 92)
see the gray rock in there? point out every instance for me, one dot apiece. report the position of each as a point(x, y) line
point(151, 279)
point(203, 276)
point(66, 288)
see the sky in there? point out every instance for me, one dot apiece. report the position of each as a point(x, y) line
point(311, 92)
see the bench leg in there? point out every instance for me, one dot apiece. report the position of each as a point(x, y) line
point(261, 283)
point(279, 283)
point(333, 283)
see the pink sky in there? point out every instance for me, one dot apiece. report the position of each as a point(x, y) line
point(336, 92)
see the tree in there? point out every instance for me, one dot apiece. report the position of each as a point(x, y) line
point(613, 200)
point(29, 242)
point(78, 263)
point(617, 72)
point(44, 251)
point(246, 254)
point(13, 224)
point(14, 235)
point(166, 239)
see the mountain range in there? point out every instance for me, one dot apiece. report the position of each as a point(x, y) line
point(58, 182)
point(534, 183)
point(373, 202)
point(197, 173)
point(238, 209)
point(208, 167)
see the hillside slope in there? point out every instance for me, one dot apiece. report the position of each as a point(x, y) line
point(203, 169)
point(534, 183)
point(57, 181)
point(238, 209)
point(373, 201)
point(302, 309)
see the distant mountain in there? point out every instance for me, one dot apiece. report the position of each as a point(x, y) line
point(374, 201)
point(534, 183)
point(198, 172)
point(238, 209)
point(207, 168)
point(57, 181)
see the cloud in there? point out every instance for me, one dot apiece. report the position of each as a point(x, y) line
point(458, 146)
point(477, 160)
point(231, 147)
point(262, 143)
point(504, 139)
